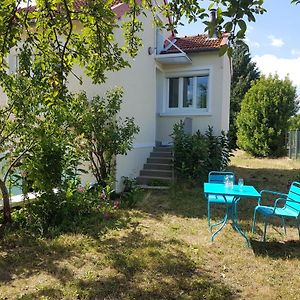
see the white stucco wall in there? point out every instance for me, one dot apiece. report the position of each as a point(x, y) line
point(139, 101)
point(219, 95)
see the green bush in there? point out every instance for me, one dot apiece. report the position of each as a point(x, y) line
point(263, 120)
point(106, 133)
point(294, 123)
point(197, 154)
point(131, 193)
point(65, 210)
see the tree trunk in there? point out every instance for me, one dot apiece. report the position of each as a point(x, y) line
point(6, 205)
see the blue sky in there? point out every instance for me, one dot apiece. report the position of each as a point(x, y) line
point(274, 39)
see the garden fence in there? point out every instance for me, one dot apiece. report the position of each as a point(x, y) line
point(293, 144)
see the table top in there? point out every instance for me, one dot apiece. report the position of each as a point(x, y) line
point(220, 189)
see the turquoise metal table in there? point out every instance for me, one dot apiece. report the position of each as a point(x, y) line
point(237, 193)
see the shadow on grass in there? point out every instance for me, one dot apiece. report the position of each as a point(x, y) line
point(136, 267)
point(152, 269)
point(274, 249)
point(25, 255)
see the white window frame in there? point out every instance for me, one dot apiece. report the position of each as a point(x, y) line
point(186, 111)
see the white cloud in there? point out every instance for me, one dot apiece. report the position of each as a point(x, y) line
point(252, 44)
point(271, 64)
point(295, 52)
point(275, 41)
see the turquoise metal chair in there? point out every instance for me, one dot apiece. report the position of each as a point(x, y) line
point(286, 206)
point(218, 177)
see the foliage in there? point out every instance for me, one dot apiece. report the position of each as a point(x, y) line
point(190, 153)
point(263, 120)
point(219, 150)
point(230, 17)
point(294, 123)
point(60, 212)
point(130, 194)
point(40, 109)
point(195, 155)
point(244, 72)
point(94, 47)
point(106, 134)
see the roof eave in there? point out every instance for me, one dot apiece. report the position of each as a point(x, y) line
point(193, 51)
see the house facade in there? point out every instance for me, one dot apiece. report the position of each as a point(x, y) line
point(171, 79)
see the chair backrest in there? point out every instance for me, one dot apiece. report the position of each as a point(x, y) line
point(218, 176)
point(294, 194)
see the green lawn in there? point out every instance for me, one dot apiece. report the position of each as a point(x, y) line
point(161, 250)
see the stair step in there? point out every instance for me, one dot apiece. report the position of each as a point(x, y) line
point(163, 149)
point(160, 160)
point(153, 181)
point(155, 166)
point(161, 154)
point(156, 173)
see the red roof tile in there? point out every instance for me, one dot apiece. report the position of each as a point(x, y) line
point(197, 43)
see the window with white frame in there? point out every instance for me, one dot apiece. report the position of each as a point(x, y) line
point(188, 92)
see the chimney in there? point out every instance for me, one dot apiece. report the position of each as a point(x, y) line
point(213, 20)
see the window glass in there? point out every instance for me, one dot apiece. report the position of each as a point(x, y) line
point(173, 92)
point(201, 91)
point(187, 92)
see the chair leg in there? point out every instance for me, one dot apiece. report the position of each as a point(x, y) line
point(254, 222)
point(265, 229)
point(208, 214)
point(298, 224)
point(283, 225)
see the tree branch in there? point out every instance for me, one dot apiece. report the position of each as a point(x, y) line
point(15, 161)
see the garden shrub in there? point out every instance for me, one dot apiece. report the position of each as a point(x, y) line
point(197, 154)
point(263, 120)
point(65, 210)
point(106, 133)
point(131, 193)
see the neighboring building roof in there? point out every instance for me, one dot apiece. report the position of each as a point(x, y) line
point(197, 43)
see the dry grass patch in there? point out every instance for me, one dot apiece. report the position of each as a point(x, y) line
point(161, 250)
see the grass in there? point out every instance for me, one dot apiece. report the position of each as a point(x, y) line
point(161, 250)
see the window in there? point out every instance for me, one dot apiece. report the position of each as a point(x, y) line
point(173, 92)
point(189, 92)
point(201, 91)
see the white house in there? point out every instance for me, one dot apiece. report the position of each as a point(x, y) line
point(171, 79)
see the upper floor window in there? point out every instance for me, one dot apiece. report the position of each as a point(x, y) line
point(188, 92)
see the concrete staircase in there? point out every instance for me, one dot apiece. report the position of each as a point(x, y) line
point(158, 170)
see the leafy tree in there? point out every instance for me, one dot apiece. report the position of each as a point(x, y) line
point(244, 71)
point(106, 135)
point(12, 148)
point(55, 18)
point(35, 129)
point(263, 120)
